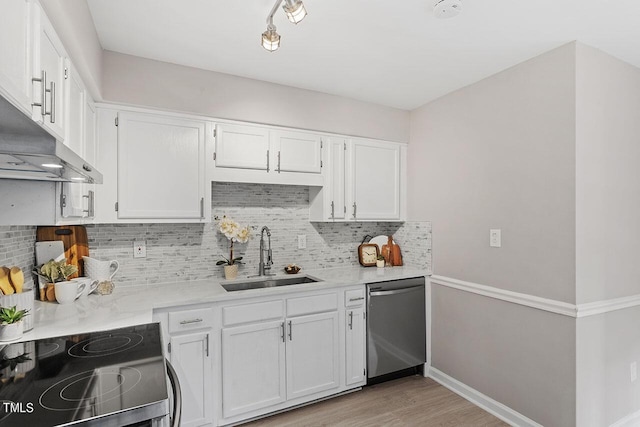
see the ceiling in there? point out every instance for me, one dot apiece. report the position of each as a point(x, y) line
point(394, 53)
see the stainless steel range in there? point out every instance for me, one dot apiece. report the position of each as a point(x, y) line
point(110, 378)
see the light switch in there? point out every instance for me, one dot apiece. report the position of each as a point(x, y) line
point(302, 241)
point(495, 238)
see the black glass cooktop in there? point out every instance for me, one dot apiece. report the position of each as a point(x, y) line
point(117, 375)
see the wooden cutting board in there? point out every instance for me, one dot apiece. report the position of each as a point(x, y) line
point(76, 243)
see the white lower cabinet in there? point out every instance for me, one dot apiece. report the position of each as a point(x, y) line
point(253, 358)
point(187, 335)
point(312, 354)
point(355, 345)
point(190, 358)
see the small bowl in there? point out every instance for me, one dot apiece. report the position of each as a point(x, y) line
point(292, 269)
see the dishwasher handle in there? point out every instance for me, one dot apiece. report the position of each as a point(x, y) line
point(393, 292)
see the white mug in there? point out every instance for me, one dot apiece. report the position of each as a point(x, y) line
point(90, 284)
point(68, 291)
point(100, 270)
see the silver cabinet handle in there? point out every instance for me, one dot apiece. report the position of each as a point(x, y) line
point(351, 320)
point(282, 336)
point(290, 331)
point(91, 200)
point(278, 161)
point(202, 207)
point(354, 210)
point(53, 103)
point(206, 345)
point(356, 299)
point(393, 292)
point(43, 93)
point(188, 322)
point(332, 210)
point(267, 160)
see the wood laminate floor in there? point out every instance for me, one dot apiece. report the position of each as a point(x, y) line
point(409, 401)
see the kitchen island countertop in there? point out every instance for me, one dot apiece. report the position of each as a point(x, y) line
point(133, 305)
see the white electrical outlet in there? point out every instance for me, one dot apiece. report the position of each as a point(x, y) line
point(302, 241)
point(140, 249)
point(633, 368)
point(495, 238)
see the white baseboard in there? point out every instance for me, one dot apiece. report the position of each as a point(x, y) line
point(490, 405)
point(631, 420)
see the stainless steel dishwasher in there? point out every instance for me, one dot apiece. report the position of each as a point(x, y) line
point(396, 327)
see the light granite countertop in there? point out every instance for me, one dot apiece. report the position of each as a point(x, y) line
point(134, 305)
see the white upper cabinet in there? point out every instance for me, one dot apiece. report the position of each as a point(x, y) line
point(263, 155)
point(15, 50)
point(297, 151)
point(50, 71)
point(161, 167)
point(375, 172)
point(364, 181)
point(242, 147)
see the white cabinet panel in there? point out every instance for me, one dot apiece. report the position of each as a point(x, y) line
point(161, 167)
point(296, 151)
point(191, 361)
point(355, 346)
point(375, 170)
point(15, 51)
point(253, 367)
point(49, 62)
point(242, 147)
point(312, 354)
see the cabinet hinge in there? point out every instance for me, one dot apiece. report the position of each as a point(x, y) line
point(215, 133)
point(63, 201)
point(321, 143)
point(169, 347)
point(321, 163)
point(116, 121)
point(214, 156)
point(344, 146)
point(364, 372)
point(345, 209)
point(116, 206)
point(66, 73)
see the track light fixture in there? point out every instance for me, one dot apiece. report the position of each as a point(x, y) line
point(295, 13)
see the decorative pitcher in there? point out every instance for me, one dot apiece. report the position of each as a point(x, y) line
point(100, 270)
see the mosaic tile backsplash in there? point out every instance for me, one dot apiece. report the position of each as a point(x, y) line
point(190, 251)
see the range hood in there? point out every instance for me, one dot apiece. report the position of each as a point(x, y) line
point(27, 151)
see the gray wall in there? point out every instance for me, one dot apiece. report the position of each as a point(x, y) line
point(607, 234)
point(133, 80)
point(500, 154)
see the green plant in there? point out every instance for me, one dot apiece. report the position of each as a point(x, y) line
point(12, 315)
point(57, 271)
point(380, 258)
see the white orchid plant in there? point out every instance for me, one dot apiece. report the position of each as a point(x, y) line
point(234, 233)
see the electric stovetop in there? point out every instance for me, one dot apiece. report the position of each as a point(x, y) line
point(115, 377)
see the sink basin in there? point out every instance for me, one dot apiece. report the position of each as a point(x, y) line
point(268, 283)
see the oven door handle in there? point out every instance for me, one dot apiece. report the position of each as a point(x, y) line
point(393, 292)
point(177, 395)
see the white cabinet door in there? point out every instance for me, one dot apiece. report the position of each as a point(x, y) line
point(296, 151)
point(161, 167)
point(312, 354)
point(15, 51)
point(375, 171)
point(355, 346)
point(253, 367)
point(337, 185)
point(242, 147)
point(49, 62)
point(190, 359)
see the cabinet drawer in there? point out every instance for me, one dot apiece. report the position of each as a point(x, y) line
point(312, 304)
point(354, 297)
point(186, 320)
point(248, 313)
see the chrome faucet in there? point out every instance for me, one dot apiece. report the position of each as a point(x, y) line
point(265, 269)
